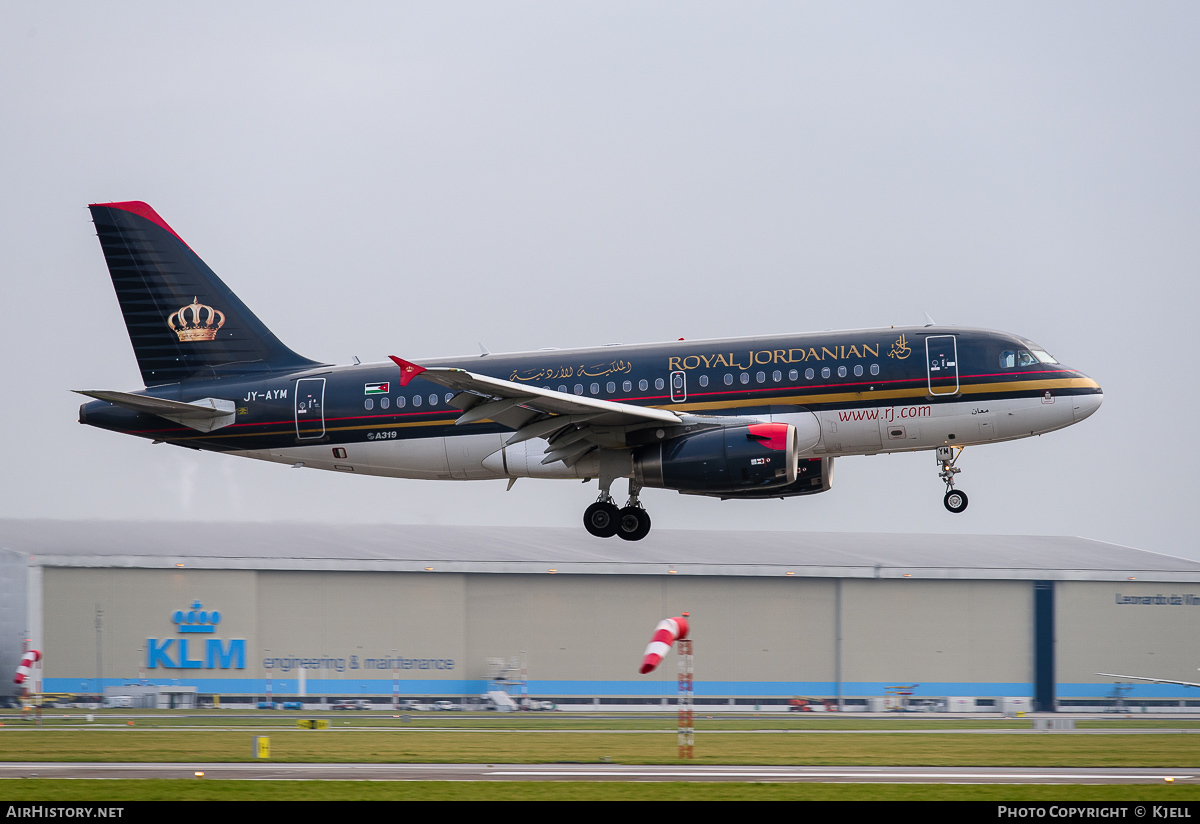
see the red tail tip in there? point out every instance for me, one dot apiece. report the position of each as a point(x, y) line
point(144, 210)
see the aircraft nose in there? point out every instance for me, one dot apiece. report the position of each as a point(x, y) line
point(1086, 405)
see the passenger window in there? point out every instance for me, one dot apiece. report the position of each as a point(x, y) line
point(579, 389)
point(400, 402)
point(369, 403)
point(659, 383)
point(1008, 359)
point(384, 403)
point(824, 371)
point(858, 370)
point(643, 385)
point(809, 374)
point(627, 386)
point(595, 387)
point(793, 375)
point(562, 389)
point(704, 380)
point(612, 387)
point(729, 380)
point(433, 400)
point(777, 376)
point(841, 371)
point(874, 369)
point(761, 377)
point(745, 377)
point(449, 395)
point(416, 400)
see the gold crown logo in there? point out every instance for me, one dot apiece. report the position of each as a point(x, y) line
point(196, 321)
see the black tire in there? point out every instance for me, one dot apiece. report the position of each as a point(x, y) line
point(633, 524)
point(601, 519)
point(955, 500)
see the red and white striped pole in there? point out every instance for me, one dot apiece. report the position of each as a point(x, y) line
point(687, 731)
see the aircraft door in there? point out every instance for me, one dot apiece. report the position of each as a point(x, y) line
point(310, 408)
point(941, 364)
point(678, 387)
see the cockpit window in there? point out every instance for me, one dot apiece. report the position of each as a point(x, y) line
point(1032, 356)
point(1010, 358)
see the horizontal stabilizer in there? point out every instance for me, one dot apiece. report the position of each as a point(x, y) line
point(203, 415)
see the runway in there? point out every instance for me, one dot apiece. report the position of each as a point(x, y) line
point(597, 772)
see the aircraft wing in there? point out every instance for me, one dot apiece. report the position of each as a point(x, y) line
point(1151, 680)
point(536, 412)
point(203, 415)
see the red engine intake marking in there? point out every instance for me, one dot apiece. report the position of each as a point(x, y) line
point(770, 435)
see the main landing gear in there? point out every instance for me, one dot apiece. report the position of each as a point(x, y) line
point(956, 499)
point(631, 522)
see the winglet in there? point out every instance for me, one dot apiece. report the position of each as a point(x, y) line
point(408, 371)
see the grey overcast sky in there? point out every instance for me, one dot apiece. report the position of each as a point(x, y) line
point(411, 178)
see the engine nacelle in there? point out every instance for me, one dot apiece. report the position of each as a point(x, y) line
point(756, 456)
point(813, 475)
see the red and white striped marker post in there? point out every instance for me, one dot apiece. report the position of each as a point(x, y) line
point(687, 730)
point(666, 633)
point(26, 666)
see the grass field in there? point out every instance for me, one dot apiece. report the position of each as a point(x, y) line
point(532, 739)
point(32, 790)
point(551, 721)
point(469, 738)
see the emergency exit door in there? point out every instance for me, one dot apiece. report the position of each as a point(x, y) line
point(310, 408)
point(941, 364)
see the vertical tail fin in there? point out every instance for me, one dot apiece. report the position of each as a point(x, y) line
point(183, 322)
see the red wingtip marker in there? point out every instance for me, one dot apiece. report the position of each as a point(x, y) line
point(408, 371)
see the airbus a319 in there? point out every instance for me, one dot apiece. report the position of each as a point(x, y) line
point(759, 417)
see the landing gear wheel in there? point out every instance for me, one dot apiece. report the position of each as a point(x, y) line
point(633, 523)
point(955, 500)
point(601, 519)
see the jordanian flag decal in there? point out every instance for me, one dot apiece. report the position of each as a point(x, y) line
point(375, 388)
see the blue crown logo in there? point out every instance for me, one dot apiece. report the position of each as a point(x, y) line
point(196, 619)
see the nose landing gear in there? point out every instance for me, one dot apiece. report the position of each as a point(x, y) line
point(955, 499)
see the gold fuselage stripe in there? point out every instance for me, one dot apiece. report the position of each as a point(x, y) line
point(772, 400)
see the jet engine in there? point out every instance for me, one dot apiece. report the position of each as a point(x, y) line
point(813, 475)
point(728, 459)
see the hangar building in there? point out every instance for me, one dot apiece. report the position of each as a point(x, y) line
point(305, 610)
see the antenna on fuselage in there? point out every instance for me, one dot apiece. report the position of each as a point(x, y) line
point(928, 320)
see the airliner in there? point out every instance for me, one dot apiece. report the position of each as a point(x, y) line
point(729, 418)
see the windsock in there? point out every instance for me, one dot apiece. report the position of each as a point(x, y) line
point(666, 633)
point(31, 658)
